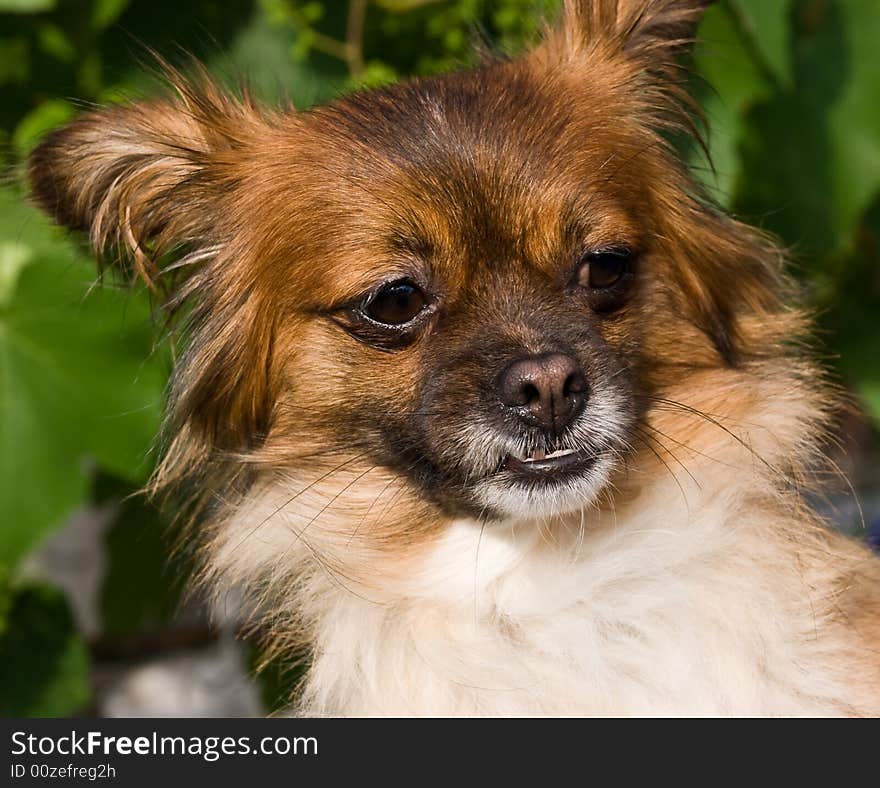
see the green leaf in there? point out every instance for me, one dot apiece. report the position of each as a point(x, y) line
point(14, 256)
point(400, 6)
point(766, 24)
point(5, 599)
point(262, 51)
point(854, 118)
point(39, 122)
point(812, 154)
point(106, 12)
point(869, 393)
point(735, 83)
point(25, 6)
point(376, 73)
point(143, 584)
point(15, 58)
point(77, 384)
point(55, 42)
point(850, 308)
point(44, 663)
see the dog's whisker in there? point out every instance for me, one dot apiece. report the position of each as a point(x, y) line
point(647, 441)
point(667, 450)
point(713, 420)
point(292, 498)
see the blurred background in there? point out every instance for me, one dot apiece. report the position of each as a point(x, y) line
point(93, 615)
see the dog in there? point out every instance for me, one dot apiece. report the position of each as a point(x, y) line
point(484, 406)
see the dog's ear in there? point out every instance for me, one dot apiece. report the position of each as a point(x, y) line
point(157, 185)
point(731, 279)
point(144, 178)
point(634, 46)
point(655, 30)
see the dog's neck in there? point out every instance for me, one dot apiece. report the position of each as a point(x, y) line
point(687, 603)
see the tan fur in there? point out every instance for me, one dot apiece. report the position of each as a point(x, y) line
point(270, 223)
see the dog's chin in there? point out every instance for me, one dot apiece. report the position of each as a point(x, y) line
point(554, 485)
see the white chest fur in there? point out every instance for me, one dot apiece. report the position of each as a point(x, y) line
point(676, 607)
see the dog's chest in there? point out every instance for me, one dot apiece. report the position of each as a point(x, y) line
point(641, 621)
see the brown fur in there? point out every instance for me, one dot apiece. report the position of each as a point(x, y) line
point(485, 184)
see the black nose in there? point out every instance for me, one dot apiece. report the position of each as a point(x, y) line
point(547, 391)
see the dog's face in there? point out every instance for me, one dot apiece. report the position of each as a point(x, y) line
point(478, 293)
point(478, 282)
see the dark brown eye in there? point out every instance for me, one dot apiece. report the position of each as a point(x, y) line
point(395, 303)
point(605, 269)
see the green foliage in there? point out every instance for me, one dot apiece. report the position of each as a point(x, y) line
point(790, 91)
point(39, 121)
point(79, 381)
point(43, 661)
point(817, 144)
point(142, 588)
point(5, 600)
point(795, 139)
point(402, 37)
point(26, 6)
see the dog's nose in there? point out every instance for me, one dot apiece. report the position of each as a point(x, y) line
point(546, 391)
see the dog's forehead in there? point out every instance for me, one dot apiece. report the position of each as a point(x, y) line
point(489, 112)
point(484, 168)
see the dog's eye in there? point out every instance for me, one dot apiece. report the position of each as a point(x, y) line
point(606, 275)
point(603, 270)
point(395, 303)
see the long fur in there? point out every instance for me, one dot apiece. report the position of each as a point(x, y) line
point(332, 477)
point(706, 587)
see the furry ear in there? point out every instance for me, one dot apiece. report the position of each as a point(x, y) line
point(159, 181)
point(651, 29)
point(733, 282)
point(638, 45)
point(142, 179)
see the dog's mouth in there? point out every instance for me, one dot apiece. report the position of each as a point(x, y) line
point(544, 480)
point(556, 465)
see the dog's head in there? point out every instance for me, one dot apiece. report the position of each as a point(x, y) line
point(478, 283)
